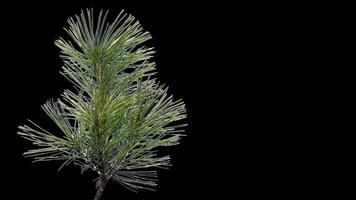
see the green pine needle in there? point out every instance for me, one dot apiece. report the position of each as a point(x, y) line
point(117, 115)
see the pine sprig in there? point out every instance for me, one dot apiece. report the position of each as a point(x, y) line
point(117, 115)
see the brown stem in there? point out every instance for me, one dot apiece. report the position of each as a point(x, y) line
point(101, 188)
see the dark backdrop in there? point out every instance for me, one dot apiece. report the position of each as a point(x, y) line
point(249, 75)
point(187, 39)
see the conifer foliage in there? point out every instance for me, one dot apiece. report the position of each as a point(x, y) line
point(117, 114)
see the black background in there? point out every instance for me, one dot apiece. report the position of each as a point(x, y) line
point(190, 44)
point(251, 77)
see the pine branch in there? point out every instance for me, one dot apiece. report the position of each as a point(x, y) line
point(118, 115)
